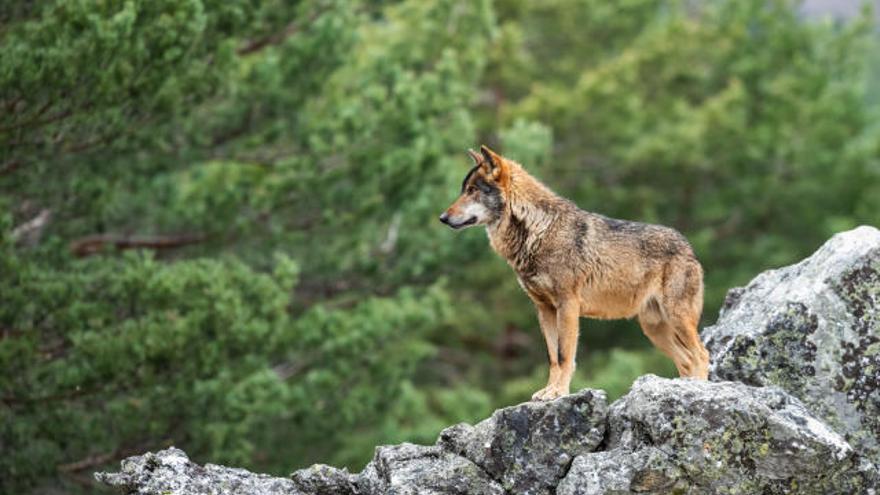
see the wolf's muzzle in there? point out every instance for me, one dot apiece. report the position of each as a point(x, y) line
point(445, 219)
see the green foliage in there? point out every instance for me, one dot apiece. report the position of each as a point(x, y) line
point(302, 150)
point(417, 415)
point(138, 353)
point(323, 130)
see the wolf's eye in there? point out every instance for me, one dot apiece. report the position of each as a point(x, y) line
point(471, 189)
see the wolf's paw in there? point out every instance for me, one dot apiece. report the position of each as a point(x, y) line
point(539, 395)
point(549, 393)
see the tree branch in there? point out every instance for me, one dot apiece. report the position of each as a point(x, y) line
point(12, 401)
point(273, 39)
point(276, 38)
point(10, 166)
point(93, 244)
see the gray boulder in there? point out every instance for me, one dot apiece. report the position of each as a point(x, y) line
point(718, 438)
point(524, 449)
point(170, 471)
point(621, 471)
point(529, 447)
point(409, 469)
point(324, 479)
point(813, 329)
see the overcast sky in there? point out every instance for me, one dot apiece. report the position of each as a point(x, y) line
point(836, 8)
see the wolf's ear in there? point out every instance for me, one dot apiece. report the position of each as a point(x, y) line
point(493, 161)
point(476, 157)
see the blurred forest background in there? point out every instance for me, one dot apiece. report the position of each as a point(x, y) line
point(218, 218)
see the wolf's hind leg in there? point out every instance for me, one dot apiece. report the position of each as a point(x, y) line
point(661, 334)
point(680, 306)
point(685, 331)
point(675, 337)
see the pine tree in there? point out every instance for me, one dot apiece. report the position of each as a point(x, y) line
point(220, 135)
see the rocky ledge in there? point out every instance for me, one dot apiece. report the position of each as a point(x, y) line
point(792, 408)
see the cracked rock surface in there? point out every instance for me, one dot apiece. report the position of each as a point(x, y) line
point(793, 408)
point(812, 329)
point(529, 447)
point(171, 472)
point(725, 437)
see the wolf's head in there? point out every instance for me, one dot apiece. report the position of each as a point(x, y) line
point(483, 192)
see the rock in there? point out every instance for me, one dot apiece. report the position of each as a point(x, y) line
point(170, 471)
point(729, 438)
point(813, 329)
point(619, 471)
point(529, 447)
point(523, 449)
point(324, 479)
point(409, 469)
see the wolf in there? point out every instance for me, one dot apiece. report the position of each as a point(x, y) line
point(572, 263)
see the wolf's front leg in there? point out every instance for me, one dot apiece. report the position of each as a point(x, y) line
point(568, 324)
point(547, 320)
point(567, 320)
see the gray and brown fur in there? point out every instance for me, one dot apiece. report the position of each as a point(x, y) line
point(573, 263)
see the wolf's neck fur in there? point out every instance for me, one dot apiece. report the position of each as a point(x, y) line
point(529, 211)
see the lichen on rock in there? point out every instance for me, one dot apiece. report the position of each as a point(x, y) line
point(729, 437)
point(409, 469)
point(530, 446)
point(618, 471)
point(813, 329)
point(171, 472)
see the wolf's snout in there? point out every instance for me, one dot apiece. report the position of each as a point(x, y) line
point(444, 217)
